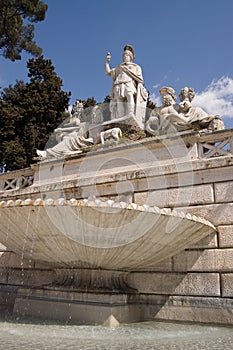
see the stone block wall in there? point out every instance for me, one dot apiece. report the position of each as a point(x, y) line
point(198, 281)
point(196, 284)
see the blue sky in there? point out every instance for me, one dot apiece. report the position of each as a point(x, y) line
point(177, 43)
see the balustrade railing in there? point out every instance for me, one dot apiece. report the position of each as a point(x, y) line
point(215, 144)
point(15, 180)
point(208, 145)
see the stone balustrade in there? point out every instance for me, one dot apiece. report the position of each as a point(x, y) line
point(192, 145)
point(16, 180)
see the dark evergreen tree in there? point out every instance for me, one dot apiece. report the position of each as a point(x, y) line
point(149, 107)
point(15, 35)
point(90, 102)
point(12, 154)
point(30, 112)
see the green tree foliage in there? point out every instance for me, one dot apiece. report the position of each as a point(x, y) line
point(15, 34)
point(90, 102)
point(149, 106)
point(29, 114)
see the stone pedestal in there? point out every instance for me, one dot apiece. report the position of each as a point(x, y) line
point(74, 306)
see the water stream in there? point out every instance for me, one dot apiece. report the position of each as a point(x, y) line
point(34, 335)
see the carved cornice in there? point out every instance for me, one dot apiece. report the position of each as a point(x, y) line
point(87, 279)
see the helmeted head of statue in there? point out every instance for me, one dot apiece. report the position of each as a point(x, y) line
point(129, 50)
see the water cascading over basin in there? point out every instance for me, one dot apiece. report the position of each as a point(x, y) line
point(93, 233)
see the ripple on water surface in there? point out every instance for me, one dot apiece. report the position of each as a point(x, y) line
point(135, 336)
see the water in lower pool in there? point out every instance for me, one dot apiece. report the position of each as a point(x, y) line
point(36, 335)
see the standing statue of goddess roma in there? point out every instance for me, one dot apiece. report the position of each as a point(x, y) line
point(128, 96)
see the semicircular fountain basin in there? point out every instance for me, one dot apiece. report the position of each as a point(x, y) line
point(97, 234)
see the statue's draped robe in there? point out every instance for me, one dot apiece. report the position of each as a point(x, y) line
point(70, 144)
point(127, 78)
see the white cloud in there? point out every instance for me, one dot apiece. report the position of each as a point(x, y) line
point(155, 99)
point(156, 85)
point(217, 98)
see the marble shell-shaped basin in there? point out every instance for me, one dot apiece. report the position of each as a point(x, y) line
point(95, 233)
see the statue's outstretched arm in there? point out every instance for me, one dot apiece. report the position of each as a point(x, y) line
point(107, 66)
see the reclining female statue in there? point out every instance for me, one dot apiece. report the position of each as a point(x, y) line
point(72, 143)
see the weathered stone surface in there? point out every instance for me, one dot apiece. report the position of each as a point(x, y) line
point(209, 260)
point(96, 308)
point(88, 308)
point(197, 309)
point(111, 322)
point(42, 266)
point(224, 192)
point(218, 214)
point(164, 265)
point(177, 197)
point(152, 179)
point(97, 234)
point(2, 248)
point(3, 275)
point(10, 259)
point(144, 174)
point(227, 284)
point(226, 236)
point(176, 283)
point(211, 171)
point(7, 298)
point(30, 277)
point(210, 241)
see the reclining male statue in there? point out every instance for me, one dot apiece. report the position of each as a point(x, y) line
point(173, 117)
